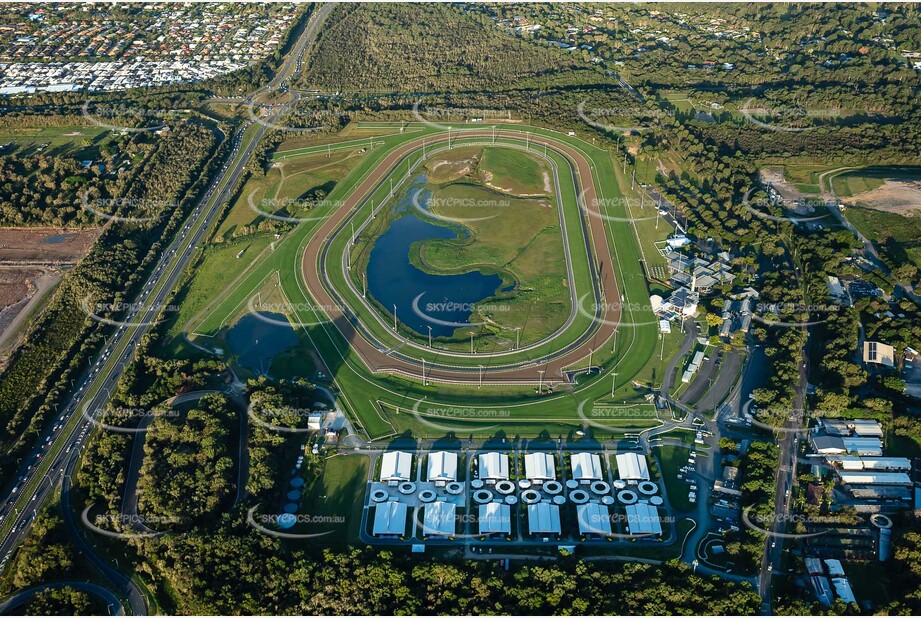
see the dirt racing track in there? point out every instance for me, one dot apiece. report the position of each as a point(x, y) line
point(384, 358)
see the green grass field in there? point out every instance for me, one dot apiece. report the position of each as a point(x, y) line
point(79, 142)
point(336, 499)
point(370, 399)
point(514, 172)
point(671, 459)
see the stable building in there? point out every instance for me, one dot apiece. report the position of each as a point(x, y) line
point(439, 519)
point(586, 467)
point(396, 466)
point(495, 518)
point(544, 518)
point(492, 466)
point(643, 518)
point(539, 467)
point(632, 467)
point(390, 519)
point(442, 467)
point(594, 519)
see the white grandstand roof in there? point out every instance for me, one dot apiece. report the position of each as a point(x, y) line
point(543, 518)
point(439, 518)
point(390, 519)
point(495, 517)
point(586, 466)
point(643, 518)
point(539, 466)
point(442, 466)
point(493, 466)
point(631, 466)
point(593, 518)
point(396, 466)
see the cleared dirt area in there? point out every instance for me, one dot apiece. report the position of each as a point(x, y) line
point(42, 245)
point(776, 177)
point(21, 291)
point(901, 197)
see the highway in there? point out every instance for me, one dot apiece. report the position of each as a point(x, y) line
point(57, 451)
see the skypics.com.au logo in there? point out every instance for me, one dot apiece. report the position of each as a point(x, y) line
point(785, 118)
point(466, 205)
point(430, 310)
point(266, 311)
point(106, 208)
point(271, 207)
point(276, 525)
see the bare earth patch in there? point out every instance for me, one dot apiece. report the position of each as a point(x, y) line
point(775, 176)
point(42, 245)
point(901, 197)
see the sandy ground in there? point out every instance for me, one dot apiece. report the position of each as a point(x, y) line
point(21, 290)
point(775, 176)
point(45, 245)
point(902, 197)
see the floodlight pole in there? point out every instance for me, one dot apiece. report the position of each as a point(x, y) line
point(394, 318)
point(424, 383)
point(591, 354)
point(481, 377)
point(471, 344)
point(613, 381)
point(430, 336)
point(540, 383)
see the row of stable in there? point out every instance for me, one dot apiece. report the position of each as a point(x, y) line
point(396, 467)
point(495, 519)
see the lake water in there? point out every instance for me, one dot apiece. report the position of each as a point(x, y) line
point(256, 341)
point(447, 300)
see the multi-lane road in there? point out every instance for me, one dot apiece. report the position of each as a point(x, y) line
point(57, 451)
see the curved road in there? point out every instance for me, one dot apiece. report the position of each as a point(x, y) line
point(18, 598)
point(375, 355)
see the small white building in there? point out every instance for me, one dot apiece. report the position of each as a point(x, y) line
point(396, 466)
point(442, 466)
point(539, 467)
point(439, 519)
point(495, 518)
point(390, 519)
point(586, 467)
point(492, 466)
point(543, 518)
point(632, 467)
